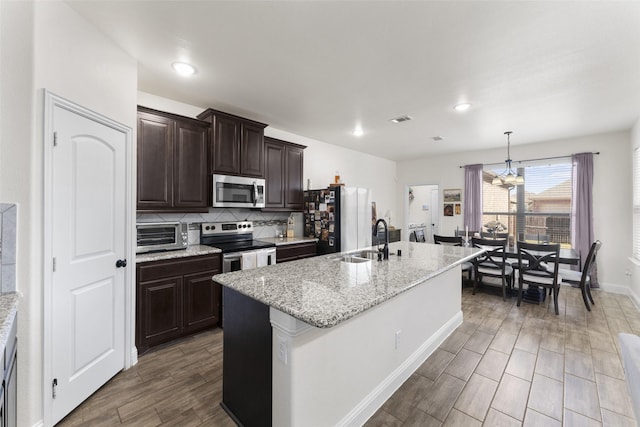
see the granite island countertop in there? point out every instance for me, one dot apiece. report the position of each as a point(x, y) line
point(324, 291)
point(8, 311)
point(192, 250)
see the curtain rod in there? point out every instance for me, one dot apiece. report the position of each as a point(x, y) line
point(531, 160)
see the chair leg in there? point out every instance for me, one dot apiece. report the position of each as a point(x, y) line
point(504, 289)
point(588, 288)
point(556, 291)
point(584, 296)
point(519, 292)
point(475, 283)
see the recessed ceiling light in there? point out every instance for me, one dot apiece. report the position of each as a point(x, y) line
point(183, 68)
point(462, 107)
point(401, 119)
point(358, 131)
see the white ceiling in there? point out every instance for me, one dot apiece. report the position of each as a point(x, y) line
point(546, 70)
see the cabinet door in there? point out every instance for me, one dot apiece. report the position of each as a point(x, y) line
point(202, 301)
point(11, 394)
point(159, 312)
point(190, 166)
point(293, 181)
point(226, 145)
point(274, 174)
point(155, 162)
point(252, 150)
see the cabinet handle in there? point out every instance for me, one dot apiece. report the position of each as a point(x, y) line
point(121, 263)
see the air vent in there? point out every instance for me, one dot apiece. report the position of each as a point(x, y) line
point(437, 138)
point(402, 119)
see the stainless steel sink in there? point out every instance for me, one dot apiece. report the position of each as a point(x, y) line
point(358, 257)
point(353, 259)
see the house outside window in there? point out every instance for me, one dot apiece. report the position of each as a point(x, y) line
point(538, 211)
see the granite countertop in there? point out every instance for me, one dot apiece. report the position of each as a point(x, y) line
point(8, 310)
point(192, 250)
point(280, 241)
point(324, 291)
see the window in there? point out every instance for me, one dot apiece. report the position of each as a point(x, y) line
point(636, 203)
point(538, 211)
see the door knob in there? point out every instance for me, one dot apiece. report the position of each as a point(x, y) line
point(121, 263)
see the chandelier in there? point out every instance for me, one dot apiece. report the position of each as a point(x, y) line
point(508, 177)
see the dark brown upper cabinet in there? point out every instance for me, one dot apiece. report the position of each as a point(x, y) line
point(283, 175)
point(237, 144)
point(172, 163)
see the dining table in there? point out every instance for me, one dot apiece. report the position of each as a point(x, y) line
point(568, 256)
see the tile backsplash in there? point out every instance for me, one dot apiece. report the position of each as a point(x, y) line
point(266, 224)
point(8, 217)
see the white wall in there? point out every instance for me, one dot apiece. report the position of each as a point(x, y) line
point(633, 267)
point(48, 45)
point(321, 159)
point(611, 192)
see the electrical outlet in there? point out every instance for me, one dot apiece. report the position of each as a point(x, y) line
point(283, 351)
point(398, 339)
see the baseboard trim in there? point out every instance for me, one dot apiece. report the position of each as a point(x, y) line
point(374, 400)
point(614, 288)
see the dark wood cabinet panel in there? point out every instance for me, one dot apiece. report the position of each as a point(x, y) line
point(176, 297)
point(252, 151)
point(172, 163)
point(191, 190)
point(238, 144)
point(155, 161)
point(293, 183)
point(9, 398)
point(226, 145)
point(283, 175)
point(202, 301)
point(295, 251)
point(162, 319)
point(274, 174)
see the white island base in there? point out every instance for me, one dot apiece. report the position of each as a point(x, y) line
point(343, 374)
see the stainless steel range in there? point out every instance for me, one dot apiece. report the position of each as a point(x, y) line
point(239, 250)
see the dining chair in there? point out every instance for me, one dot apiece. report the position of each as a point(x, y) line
point(492, 263)
point(583, 278)
point(538, 267)
point(419, 236)
point(454, 241)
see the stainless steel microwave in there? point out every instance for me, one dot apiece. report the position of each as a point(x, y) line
point(161, 236)
point(238, 192)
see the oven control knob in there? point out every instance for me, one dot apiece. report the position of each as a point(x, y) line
point(249, 225)
point(207, 227)
point(213, 227)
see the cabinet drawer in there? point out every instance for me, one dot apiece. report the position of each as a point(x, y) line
point(178, 267)
point(295, 251)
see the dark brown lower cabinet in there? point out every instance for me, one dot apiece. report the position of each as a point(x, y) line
point(295, 251)
point(9, 399)
point(175, 298)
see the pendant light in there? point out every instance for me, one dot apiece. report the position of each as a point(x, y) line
point(508, 177)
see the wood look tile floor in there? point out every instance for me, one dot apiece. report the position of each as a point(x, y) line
point(504, 366)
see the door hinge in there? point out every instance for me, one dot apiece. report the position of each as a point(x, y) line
point(54, 264)
point(55, 139)
point(54, 384)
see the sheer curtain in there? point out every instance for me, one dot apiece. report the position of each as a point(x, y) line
point(473, 197)
point(582, 207)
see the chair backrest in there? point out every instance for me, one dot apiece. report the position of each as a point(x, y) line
point(447, 240)
point(495, 255)
point(462, 233)
point(419, 235)
point(538, 261)
point(590, 262)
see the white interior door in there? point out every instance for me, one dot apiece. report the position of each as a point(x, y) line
point(87, 297)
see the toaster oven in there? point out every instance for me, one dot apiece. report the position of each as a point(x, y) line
point(161, 236)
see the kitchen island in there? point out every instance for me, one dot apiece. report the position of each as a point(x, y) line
point(324, 341)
